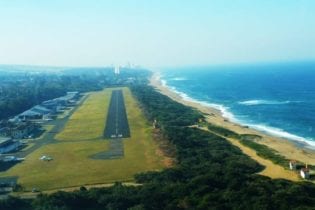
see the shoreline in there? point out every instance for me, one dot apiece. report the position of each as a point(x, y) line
point(290, 149)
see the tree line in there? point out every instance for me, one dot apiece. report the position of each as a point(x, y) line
point(21, 91)
point(210, 173)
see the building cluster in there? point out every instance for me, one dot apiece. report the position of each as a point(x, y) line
point(304, 171)
point(28, 123)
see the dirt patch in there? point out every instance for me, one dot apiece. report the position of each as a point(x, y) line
point(165, 148)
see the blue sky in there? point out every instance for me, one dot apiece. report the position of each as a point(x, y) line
point(155, 33)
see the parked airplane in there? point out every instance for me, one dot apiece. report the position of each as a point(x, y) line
point(46, 158)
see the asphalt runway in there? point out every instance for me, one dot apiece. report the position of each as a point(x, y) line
point(117, 126)
point(115, 151)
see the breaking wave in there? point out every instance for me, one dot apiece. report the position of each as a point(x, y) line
point(282, 133)
point(263, 102)
point(179, 79)
point(310, 143)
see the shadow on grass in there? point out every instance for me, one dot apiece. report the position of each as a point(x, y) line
point(7, 165)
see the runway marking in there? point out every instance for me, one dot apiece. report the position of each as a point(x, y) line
point(117, 123)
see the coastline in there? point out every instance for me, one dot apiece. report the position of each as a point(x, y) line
point(290, 149)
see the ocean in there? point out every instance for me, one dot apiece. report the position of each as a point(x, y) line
point(278, 99)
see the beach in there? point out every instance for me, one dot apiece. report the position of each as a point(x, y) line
point(290, 149)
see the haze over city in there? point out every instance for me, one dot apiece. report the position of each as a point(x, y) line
point(134, 104)
point(155, 33)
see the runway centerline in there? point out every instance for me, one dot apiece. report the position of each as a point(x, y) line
point(117, 123)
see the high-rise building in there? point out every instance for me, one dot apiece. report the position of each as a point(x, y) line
point(116, 70)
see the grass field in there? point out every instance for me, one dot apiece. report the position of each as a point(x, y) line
point(71, 165)
point(88, 121)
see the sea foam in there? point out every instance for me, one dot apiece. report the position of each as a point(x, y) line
point(163, 82)
point(224, 110)
point(277, 132)
point(282, 134)
point(179, 79)
point(263, 102)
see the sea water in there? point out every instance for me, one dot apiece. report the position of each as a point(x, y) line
point(278, 99)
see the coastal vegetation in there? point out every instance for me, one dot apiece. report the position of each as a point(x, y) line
point(210, 172)
point(222, 131)
point(267, 153)
point(248, 140)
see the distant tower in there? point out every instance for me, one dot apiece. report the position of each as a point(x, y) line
point(292, 164)
point(117, 71)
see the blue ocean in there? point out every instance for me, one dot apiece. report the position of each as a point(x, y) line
point(278, 99)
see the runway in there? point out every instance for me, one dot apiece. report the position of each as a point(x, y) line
point(117, 123)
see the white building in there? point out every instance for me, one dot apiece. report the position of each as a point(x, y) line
point(305, 173)
point(292, 164)
point(117, 70)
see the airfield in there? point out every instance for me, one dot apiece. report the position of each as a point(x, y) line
point(117, 122)
point(105, 139)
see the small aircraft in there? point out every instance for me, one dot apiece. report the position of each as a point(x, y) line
point(46, 158)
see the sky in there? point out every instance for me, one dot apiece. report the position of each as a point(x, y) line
point(155, 33)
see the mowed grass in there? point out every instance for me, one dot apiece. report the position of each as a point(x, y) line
point(88, 121)
point(73, 167)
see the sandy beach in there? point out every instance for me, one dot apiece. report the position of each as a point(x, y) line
point(289, 149)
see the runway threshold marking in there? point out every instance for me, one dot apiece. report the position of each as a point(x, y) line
point(117, 123)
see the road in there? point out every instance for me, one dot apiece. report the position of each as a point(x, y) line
point(49, 136)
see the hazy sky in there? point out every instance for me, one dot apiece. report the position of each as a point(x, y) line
point(155, 33)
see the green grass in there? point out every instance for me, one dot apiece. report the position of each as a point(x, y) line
point(248, 140)
point(222, 131)
point(266, 152)
point(88, 121)
point(73, 167)
point(250, 137)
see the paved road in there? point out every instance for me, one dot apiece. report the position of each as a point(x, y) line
point(49, 137)
point(117, 127)
point(117, 112)
point(115, 150)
